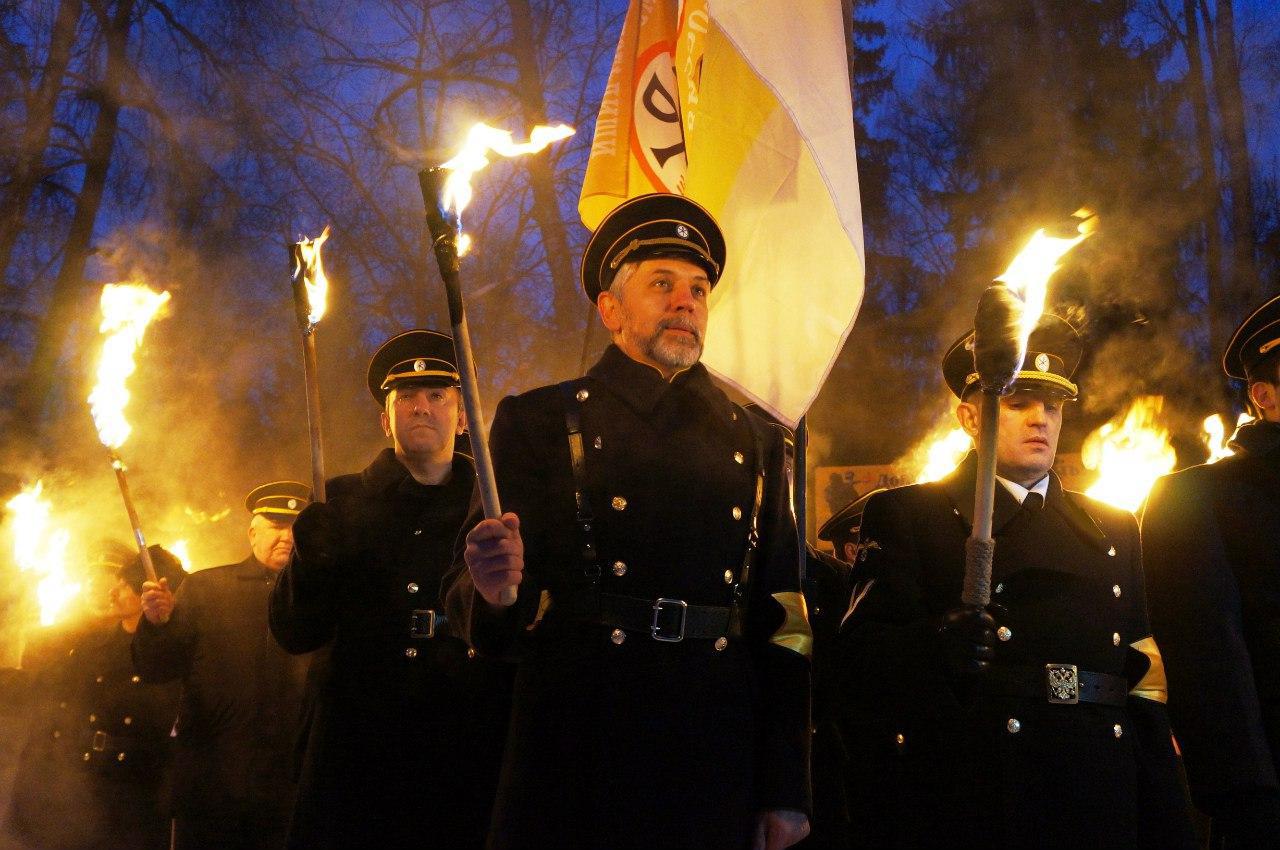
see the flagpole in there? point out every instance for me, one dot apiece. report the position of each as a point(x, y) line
point(800, 492)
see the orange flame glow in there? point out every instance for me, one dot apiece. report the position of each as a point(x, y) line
point(1028, 275)
point(40, 548)
point(312, 268)
point(940, 452)
point(1129, 453)
point(127, 309)
point(1215, 436)
point(181, 549)
point(481, 140)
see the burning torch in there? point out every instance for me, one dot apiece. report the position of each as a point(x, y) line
point(127, 309)
point(310, 298)
point(446, 192)
point(1008, 312)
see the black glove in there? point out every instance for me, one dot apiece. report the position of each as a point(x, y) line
point(967, 636)
point(319, 537)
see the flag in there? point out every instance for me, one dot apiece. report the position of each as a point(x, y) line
point(763, 138)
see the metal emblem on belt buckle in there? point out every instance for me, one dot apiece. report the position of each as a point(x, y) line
point(422, 624)
point(656, 629)
point(1063, 683)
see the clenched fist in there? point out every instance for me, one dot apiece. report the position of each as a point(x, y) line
point(495, 557)
point(157, 601)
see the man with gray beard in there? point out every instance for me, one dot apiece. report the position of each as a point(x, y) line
point(662, 692)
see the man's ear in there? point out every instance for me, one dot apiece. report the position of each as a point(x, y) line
point(967, 416)
point(462, 416)
point(386, 422)
point(850, 552)
point(610, 309)
point(1264, 397)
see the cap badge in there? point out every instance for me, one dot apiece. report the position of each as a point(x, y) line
point(682, 231)
point(419, 365)
point(293, 503)
point(1042, 362)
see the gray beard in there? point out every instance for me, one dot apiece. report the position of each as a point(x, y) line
point(672, 353)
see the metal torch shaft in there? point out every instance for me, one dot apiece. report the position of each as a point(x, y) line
point(309, 374)
point(147, 566)
point(980, 547)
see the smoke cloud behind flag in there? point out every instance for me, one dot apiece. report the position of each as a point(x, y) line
point(745, 107)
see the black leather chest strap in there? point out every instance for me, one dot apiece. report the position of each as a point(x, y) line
point(574, 393)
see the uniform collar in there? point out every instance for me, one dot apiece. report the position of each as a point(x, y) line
point(642, 386)
point(1020, 493)
point(252, 568)
point(387, 474)
point(1257, 437)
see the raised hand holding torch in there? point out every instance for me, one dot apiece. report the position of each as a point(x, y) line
point(446, 192)
point(127, 310)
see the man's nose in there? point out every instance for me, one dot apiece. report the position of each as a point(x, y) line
point(682, 298)
point(1036, 414)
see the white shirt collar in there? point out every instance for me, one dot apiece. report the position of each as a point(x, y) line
point(1019, 492)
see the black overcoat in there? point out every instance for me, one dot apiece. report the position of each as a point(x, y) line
point(1212, 540)
point(241, 703)
point(405, 733)
point(636, 742)
point(92, 772)
point(1000, 766)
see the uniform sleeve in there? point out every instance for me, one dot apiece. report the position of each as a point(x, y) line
point(521, 484)
point(1196, 615)
point(778, 630)
point(163, 653)
point(302, 611)
point(1163, 802)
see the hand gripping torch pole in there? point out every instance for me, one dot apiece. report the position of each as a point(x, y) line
point(118, 466)
point(445, 227)
point(302, 305)
point(998, 351)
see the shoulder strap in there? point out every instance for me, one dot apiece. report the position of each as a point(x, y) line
point(574, 394)
point(738, 606)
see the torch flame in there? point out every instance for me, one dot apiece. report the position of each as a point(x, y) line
point(1215, 436)
point(1028, 275)
point(312, 268)
point(40, 548)
point(941, 453)
point(127, 309)
point(181, 549)
point(1129, 453)
point(473, 157)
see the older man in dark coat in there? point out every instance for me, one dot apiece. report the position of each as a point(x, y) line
point(406, 724)
point(1040, 721)
point(1212, 538)
point(241, 694)
point(662, 692)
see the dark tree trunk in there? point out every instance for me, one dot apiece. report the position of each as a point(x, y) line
point(69, 285)
point(1220, 315)
point(41, 107)
point(546, 208)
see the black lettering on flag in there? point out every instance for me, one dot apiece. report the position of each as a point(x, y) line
point(668, 115)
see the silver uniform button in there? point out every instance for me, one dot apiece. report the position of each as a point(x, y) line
point(582, 395)
point(417, 531)
point(598, 442)
point(410, 652)
point(1000, 588)
point(120, 757)
point(1004, 633)
point(619, 503)
point(721, 643)
point(1115, 589)
point(1111, 552)
point(128, 721)
point(135, 680)
point(57, 734)
point(739, 457)
point(1115, 639)
point(471, 652)
point(900, 739)
point(728, 576)
point(86, 756)
point(737, 512)
point(1117, 730)
point(617, 636)
point(1014, 726)
point(412, 587)
point(93, 718)
point(619, 568)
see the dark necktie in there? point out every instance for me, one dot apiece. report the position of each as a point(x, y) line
point(1033, 502)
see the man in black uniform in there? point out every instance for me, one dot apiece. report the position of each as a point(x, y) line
point(1210, 534)
point(1040, 721)
point(241, 693)
point(662, 693)
point(93, 768)
point(406, 724)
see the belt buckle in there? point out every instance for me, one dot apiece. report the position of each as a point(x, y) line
point(1062, 682)
point(99, 741)
point(423, 622)
point(656, 630)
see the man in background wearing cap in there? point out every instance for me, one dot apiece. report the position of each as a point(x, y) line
point(405, 725)
point(241, 694)
point(1039, 721)
point(1213, 554)
point(662, 695)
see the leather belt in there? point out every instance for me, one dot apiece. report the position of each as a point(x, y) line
point(1060, 684)
point(663, 619)
point(425, 623)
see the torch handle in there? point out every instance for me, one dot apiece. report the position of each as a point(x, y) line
point(310, 372)
point(980, 547)
point(136, 524)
